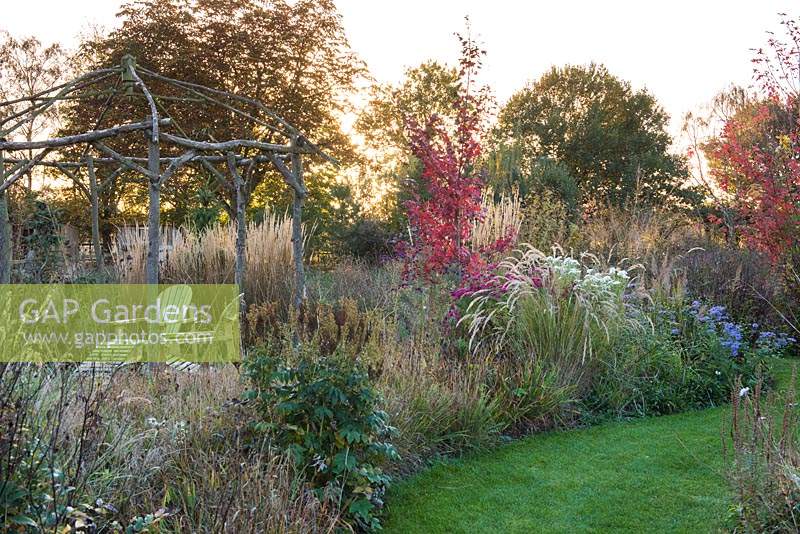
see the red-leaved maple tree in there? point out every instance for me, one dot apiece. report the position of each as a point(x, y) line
point(442, 213)
point(757, 156)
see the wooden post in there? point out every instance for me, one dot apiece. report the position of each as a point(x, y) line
point(5, 228)
point(93, 198)
point(154, 214)
point(241, 224)
point(297, 230)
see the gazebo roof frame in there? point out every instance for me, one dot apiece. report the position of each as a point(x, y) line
point(285, 157)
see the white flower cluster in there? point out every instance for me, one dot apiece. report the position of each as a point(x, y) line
point(565, 269)
point(178, 431)
point(596, 284)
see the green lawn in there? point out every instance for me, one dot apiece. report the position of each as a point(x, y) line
point(661, 474)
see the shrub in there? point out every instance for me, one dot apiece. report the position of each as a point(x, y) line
point(641, 375)
point(325, 412)
point(184, 442)
point(683, 257)
point(36, 490)
point(41, 233)
point(139, 453)
point(742, 280)
point(690, 358)
point(368, 240)
point(546, 221)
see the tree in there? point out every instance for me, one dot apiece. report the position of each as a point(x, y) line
point(700, 130)
point(441, 214)
point(612, 139)
point(26, 68)
point(756, 158)
point(293, 56)
point(426, 90)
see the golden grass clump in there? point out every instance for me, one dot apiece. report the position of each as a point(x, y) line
point(501, 220)
point(191, 257)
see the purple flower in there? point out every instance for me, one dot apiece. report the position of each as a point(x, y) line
point(717, 313)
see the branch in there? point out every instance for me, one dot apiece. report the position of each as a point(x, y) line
point(176, 164)
point(240, 160)
point(74, 179)
point(237, 178)
point(36, 109)
point(188, 85)
point(110, 178)
point(127, 162)
point(227, 146)
point(87, 137)
point(218, 176)
point(8, 182)
point(294, 132)
point(288, 176)
point(103, 73)
point(150, 101)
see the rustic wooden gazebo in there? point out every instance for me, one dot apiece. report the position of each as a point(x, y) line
point(231, 162)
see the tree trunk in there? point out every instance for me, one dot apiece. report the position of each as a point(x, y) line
point(154, 215)
point(297, 234)
point(98, 249)
point(5, 231)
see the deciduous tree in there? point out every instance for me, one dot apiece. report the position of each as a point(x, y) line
point(26, 68)
point(442, 212)
point(756, 158)
point(611, 138)
point(293, 56)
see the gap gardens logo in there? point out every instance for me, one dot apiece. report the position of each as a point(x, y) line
point(119, 323)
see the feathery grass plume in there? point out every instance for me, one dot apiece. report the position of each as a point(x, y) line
point(191, 257)
point(501, 220)
point(551, 282)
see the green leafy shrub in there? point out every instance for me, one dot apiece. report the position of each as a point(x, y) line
point(46, 470)
point(546, 220)
point(368, 239)
point(641, 375)
point(657, 374)
point(34, 493)
point(690, 358)
point(325, 412)
point(44, 259)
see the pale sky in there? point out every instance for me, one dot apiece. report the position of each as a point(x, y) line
point(683, 51)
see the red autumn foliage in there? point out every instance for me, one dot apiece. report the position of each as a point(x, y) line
point(442, 213)
point(758, 152)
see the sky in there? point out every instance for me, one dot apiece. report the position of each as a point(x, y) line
point(683, 52)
